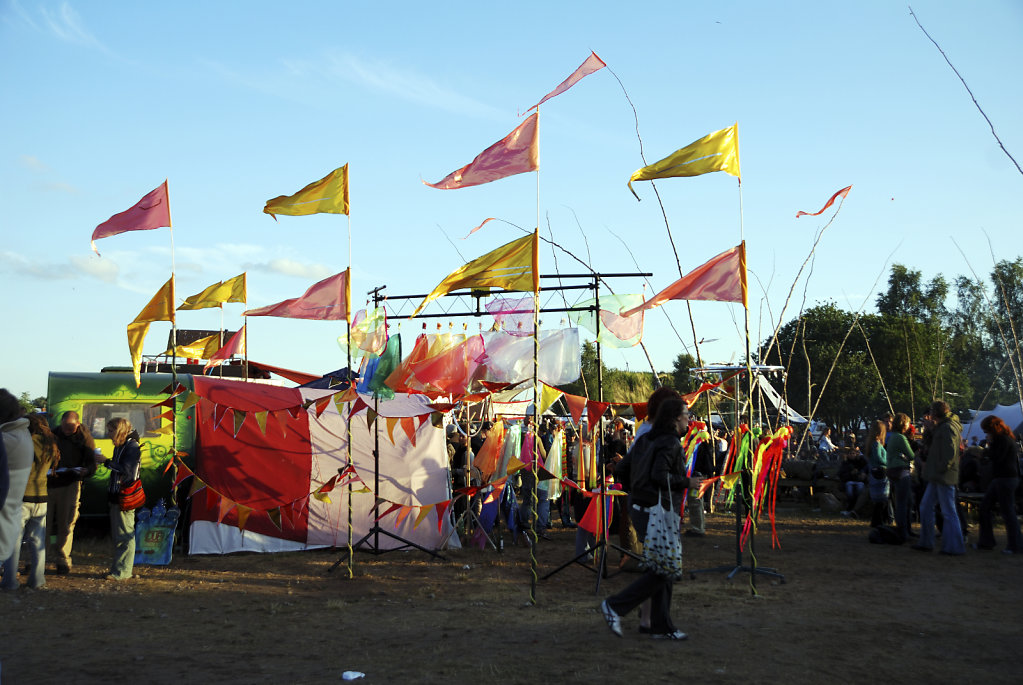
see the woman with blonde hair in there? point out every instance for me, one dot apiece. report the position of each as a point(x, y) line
point(900, 459)
point(877, 473)
point(124, 468)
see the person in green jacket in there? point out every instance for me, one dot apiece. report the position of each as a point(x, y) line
point(900, 461)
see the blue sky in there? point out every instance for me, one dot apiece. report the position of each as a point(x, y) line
point(236, 103)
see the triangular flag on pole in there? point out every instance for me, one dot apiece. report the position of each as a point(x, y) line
point(231, 290)
point(329, 195)
point(160, 308)
point(722, 279)
point(718, 151)
point(512, 267)
point(516, 153)
point(589, 65)
point(327, 300)
point(152, 211)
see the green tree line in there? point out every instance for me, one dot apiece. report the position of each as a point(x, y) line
point(955, 340)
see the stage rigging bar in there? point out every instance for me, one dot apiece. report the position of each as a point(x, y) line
point(481, 294)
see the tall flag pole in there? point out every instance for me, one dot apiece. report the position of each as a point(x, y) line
point(533, 565)
point(174, 320)
point(348, 420)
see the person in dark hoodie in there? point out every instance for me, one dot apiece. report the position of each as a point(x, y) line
point(655, 475)
point(941, 473)
point(64, 488)
point(124, 468)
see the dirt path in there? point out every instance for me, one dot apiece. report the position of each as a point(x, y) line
point(848, 611)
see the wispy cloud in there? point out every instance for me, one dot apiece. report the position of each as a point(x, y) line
point(67, 25)
point(291, 267)
point(105, 270)
point(101, 269)
point(313, 74)
point(33, 163)
point(404, 83)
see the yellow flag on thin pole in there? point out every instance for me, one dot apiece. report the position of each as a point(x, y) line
point(329, 195)
point(718, 151)
point(511, 267)
point(203, 348)
point(231, 290)
point(160, 308)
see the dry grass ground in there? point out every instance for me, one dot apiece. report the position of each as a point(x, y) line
point(848, 611)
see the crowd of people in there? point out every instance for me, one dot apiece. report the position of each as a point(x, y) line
point(41, 474)
point(907, 474)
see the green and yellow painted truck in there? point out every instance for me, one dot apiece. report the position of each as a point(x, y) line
point(99, 397)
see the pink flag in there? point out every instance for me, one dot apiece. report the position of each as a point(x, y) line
point(844, 192)
point(327, 300)
point(152, 211)
point(516, 153)
point(592, 64)
point(236, 345)
point(722, 279)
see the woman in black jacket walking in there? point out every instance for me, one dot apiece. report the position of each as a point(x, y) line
point(656, 477)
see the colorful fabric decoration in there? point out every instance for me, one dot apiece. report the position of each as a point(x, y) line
point(844, 192)
point(160, 308)
point(231, 290)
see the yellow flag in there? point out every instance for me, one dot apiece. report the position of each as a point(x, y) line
point(203, 348)
point(548, 396)
point(160, 308)
point(329, 195)
point(231, 290)
point(718, 151)
point(511, 267)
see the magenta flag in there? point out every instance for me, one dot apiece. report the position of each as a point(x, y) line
point(152, 211)
point(516, 153)
point(236, 345)
point(592, 64)
point(327, 300)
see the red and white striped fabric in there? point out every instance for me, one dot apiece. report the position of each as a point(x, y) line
point(272, 473)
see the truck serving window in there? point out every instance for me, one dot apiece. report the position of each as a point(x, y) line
point(143, 418)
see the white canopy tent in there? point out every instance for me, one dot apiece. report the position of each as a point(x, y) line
point(1012, 414)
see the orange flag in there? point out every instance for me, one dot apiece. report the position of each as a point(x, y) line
point(722, 279)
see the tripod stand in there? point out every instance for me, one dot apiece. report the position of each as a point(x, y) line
point(601, 547)
point(741, 506)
